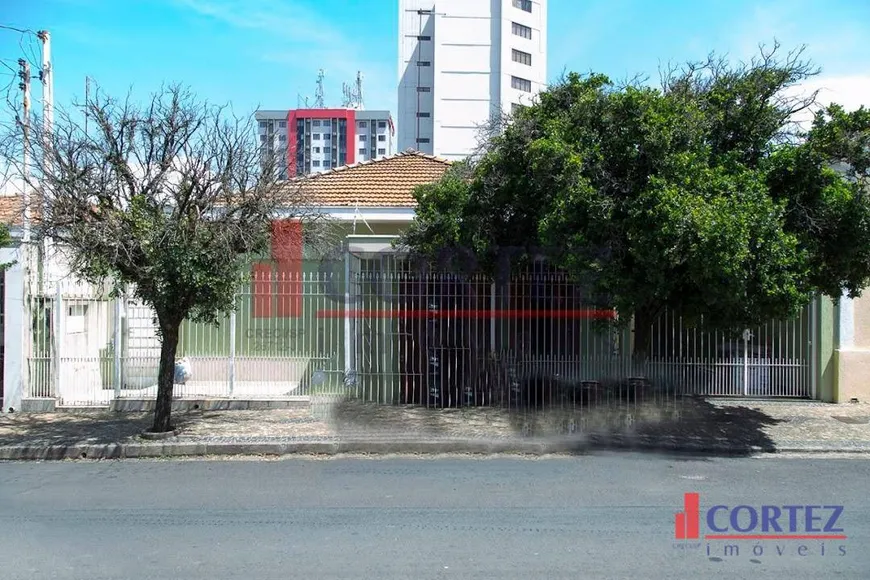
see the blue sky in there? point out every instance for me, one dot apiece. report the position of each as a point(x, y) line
point(263, 53)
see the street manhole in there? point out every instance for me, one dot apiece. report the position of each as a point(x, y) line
point(852, 420)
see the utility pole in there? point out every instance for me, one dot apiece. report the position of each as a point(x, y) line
point(47, 78)
point(24, 85)
point(25, 250)
point(46, 75)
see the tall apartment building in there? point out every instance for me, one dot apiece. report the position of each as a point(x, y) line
point(317, 140)
point(460, 63)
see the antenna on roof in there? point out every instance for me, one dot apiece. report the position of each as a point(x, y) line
point(318, 93)
point(353, 95)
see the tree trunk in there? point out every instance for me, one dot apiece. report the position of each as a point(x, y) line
point(643, 321)
point(166, 377)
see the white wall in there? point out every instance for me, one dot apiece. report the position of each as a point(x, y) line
point(15, 356)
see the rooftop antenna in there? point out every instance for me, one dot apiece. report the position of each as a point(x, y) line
point(359, 90)
point(302, 102)
point(353, 95)
point(318, 94)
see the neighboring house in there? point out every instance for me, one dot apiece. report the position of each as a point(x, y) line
point(71, 355)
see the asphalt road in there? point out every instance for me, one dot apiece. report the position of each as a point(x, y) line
point(589, 517)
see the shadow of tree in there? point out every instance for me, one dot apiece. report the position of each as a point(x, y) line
point(642, 419)
point(83, 428)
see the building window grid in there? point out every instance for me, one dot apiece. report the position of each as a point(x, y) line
point(521, 84)
point(525, 5)
point(521, 30)
point(521, 57)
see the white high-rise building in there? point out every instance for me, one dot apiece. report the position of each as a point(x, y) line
point(462, 61)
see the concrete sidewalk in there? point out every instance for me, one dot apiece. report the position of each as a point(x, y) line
point(330, 426)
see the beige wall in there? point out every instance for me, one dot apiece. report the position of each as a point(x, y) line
point(853, 352)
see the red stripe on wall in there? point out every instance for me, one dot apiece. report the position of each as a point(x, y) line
point(291, 144)
point(287, 252)
point(262, 275)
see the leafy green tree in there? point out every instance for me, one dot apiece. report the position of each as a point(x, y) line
point(5, 240)
point(700, 196)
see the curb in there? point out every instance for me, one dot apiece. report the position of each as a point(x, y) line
point(573, 446)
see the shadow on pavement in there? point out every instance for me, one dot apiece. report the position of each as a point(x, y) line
point(84, 428)
point(654, 423)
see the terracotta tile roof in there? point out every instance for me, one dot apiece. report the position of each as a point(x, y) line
point(11, 210)
point(386, 182)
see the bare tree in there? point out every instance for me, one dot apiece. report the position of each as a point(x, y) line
point(169, 201)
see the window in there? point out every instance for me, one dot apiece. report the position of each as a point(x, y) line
point(382, 124)
point(282, 137)
point(382, 137)
point(363, 138)
point(327, 163)
point(422, 139)
point(423, 115)
point(520, 30)
point(327, 123)
point(363, 124)
point(327, 150)
point(523, 5)
point(522, 57)
point(315, 163)
point(521, 84)
point(262, 138)
point(316, 137)
point(362, 151)
point(327, 136)
point(424, 89)
point(424, 63)
point(422, 37)
point(75, 321)
point(262, 124)
point(382, 151)
point(315, 123)
point(282, 124)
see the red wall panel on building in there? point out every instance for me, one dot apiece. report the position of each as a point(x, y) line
point(287, 247)
point(349, 115)
point(262, 282)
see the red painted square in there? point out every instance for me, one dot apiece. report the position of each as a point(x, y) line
point(262, 282)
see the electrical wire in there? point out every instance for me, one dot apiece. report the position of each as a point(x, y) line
point(20, 30)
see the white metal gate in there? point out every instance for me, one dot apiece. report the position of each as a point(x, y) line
point(772, 360)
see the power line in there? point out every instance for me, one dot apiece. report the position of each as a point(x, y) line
point(21, 30)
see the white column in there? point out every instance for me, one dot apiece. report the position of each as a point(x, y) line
point(348, 329)
point(119, 311)
point(16, 334)
point(57, 341)
point(232, 361)
point(846, 329)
